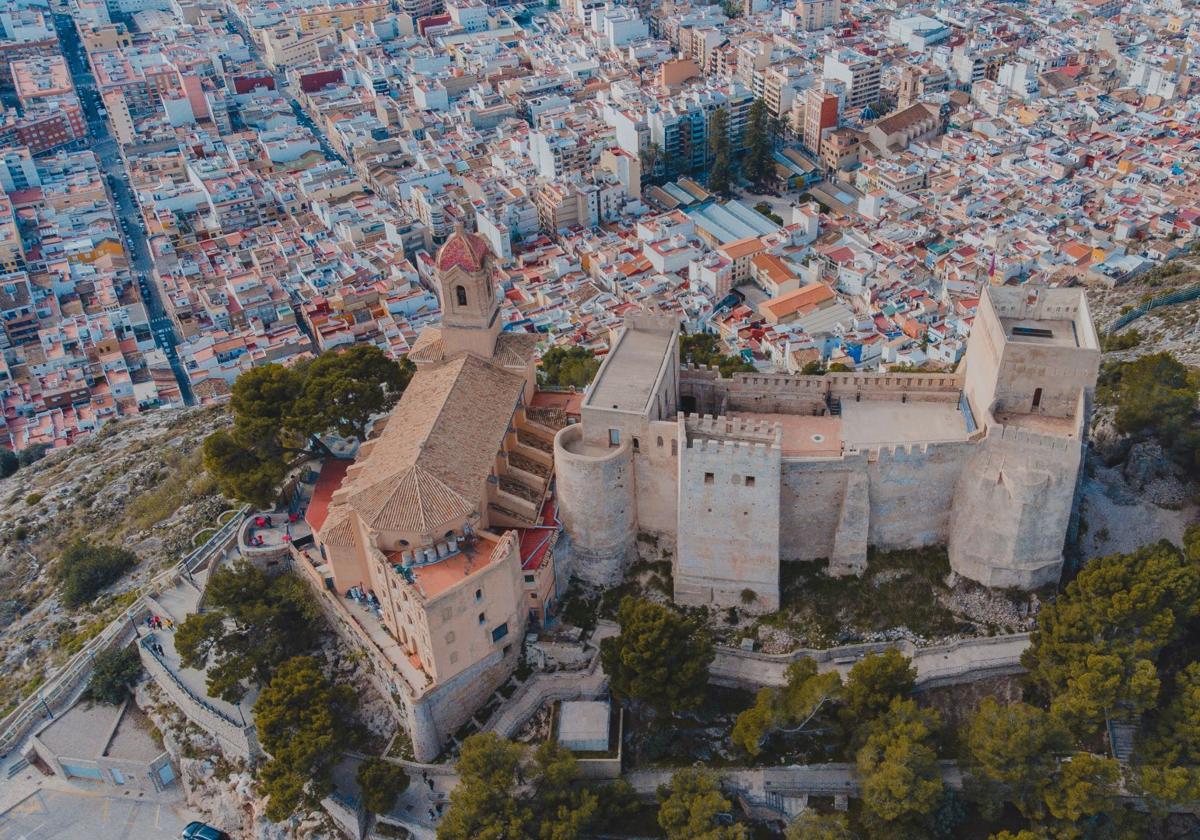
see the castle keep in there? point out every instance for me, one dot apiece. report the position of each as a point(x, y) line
point(748, 471)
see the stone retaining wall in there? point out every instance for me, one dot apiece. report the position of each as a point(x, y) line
point(952, 663)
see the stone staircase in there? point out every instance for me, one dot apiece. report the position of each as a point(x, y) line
point(1121, 737)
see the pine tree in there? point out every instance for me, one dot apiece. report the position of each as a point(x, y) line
point(720, 171)
point(760, 167)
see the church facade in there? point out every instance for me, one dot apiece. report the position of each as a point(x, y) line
point(427, 522)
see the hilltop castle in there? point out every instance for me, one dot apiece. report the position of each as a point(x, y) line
point(746, 472)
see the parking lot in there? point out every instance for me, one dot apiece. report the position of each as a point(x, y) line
point(51, 814)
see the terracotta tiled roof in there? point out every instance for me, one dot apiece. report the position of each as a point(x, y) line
point(462, 249)
point(430, 464)
point(427, 347)
point(515, 349)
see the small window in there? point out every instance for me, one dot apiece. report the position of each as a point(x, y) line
point(749, 481)
point(709, 478)
point(483, 618)
point(1037, 397)
point(403, 542)
point(614, 437)
point(460, 295)
point(529, 578)
point(660, 441)
point(532, 596)
point(500, 632)
point(478, 594)
point(637, 444)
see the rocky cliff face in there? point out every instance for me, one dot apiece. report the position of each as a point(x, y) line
point(138, 483)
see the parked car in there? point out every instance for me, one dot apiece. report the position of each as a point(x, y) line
point(197, 830)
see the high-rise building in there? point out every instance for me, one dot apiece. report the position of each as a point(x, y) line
point(860, 73)
point(811, 15)
point(17, 169)
point(820, 115)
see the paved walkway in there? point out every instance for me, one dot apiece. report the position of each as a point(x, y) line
point(797, 779)
point(539, 689)
point(177, 604)
point(956, 662)
point(54, 809)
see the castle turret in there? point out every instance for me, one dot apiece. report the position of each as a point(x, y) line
point(1032, 362)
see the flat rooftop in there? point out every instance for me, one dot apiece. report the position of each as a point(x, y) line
point(584, 724)
point(631, 370)
point(435, 578)
point(82, 731)
point(1060, 333)
point(872, 423)
point(804, 436)
point(1061, 426)
point(132, 740)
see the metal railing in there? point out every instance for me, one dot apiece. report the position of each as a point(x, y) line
point(1190, 293)
point(180, 684)
point(66, 681)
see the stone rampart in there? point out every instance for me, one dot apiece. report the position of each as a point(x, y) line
point(727, 541)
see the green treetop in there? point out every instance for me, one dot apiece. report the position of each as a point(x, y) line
point(250, 625)
point(659, 658)
point(690, 808)
point(301, 721)
point(901, 782)
point(791, 708)
point(278, 410)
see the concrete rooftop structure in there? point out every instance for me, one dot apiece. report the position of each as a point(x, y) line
point(583, 725)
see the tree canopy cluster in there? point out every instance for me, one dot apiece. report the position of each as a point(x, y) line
point(114, 673)
point(758, 165)
point(278, 411)
point(11, 461)
point(508, 790)
point(568, 367)
point(720, 168)
point(85, 569)
point(692, 807)
point(303, 721)
point(704, 349)
point(1156, 396)
point(660, 658)
point(380, 782)
point(252, 623)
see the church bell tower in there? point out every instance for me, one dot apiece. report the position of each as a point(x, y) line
point(470, 307)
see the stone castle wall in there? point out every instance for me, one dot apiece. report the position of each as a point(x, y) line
point(1013, 507)
point(912, 491)
point(436, 715)
point(728, 534)
point(596, 504)
point(703, 391)
point(656, 479)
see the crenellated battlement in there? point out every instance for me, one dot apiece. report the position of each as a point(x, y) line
point(733, 435)
point(735, 449)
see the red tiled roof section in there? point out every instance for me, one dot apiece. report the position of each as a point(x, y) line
point(462, 249)
point(333, 472)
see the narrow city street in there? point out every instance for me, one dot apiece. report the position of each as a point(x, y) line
point(236, 27)
point(113, 167)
